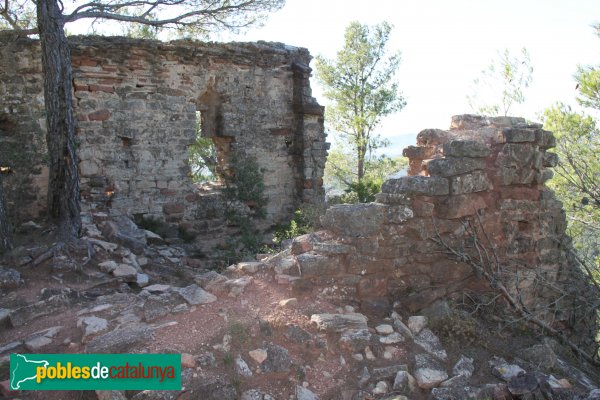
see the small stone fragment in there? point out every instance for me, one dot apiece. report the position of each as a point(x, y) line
point(504, 370)
point(464, 366)
point(303, 393)
point(384, 329)
point(392, 339)
point(187, 360)
point(428, 372)
point(241, 367)
point(416, 323)
point(258, 355)
point(381, 388)
point(430, 343)
point(339, 322)
point(289, 302)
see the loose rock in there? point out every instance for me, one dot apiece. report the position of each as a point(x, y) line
point(428, 372)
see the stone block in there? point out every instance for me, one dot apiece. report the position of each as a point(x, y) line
point(466, 148)
point(355, 219)
point(460, 206)
point(545, 139)
point(452, 166)
point(100, 115)
point(417, 185)
point(173, 208)
point(516, 135)
point(549, 160)
point(516, 155)
point(317, 265)
point(475, 181)
point(419, 152)
point(432, 137)
point(372, 287)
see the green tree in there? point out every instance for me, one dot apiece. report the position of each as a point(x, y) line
point(50, 19)
point(339, 175)
point(360, 84)
point(501, 85)
point(577, 178)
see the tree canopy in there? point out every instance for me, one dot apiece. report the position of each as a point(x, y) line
point(502, 84)
point(360, 84)
point(200, 15)
point(577, 175)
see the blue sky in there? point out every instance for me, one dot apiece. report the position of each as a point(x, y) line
point(445, 44)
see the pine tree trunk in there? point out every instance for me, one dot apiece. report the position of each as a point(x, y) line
point(5, 228)
point(63, 185)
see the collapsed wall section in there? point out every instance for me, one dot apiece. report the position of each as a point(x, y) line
point(136, 105)
point(484, 176)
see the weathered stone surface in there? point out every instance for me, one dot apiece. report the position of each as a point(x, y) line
point(550, 160)
point(354, 219)
point(254, 394)
point(475, 181)
point(430, 343)
point(381, 387)
point(125, 272)
point(466, 148)
point(54, 304)
point(461, 205)
point(464, 366)
point(431, 137)
point(503, 370)
point(404, 382)
point(250, 267)
point(297, 334)
point(110, 395)
point(452, 166)
point(35, 344)
point(522, 384)
point(278, 359)
point(9, 278)
point(119, 340)
point(419, 152)
point(418, 185)
point(355, 340)
point(303, 393)
point(241, 367)
point(195, 295)
point(512, 135)
point(317, 265)
point(393, 338)
point(416, 323)
point(456, 393)
point(388, 372)
point(428, 372)
point(339, 322)
point(188, 360)
point(92, 325)
point(384, 329)
point(258, 355)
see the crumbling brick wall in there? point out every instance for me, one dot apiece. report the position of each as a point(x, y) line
point(136, 104)
point(490, 171)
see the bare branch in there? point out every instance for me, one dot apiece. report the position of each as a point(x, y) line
point(514, 302)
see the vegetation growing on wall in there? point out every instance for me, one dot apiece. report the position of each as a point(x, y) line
point(244, 202)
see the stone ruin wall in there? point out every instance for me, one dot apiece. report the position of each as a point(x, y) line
point(488, 170)
point(135, 105)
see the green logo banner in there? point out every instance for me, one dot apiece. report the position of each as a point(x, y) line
point(95, 372)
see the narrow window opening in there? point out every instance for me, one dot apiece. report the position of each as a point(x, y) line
point(202, 156)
